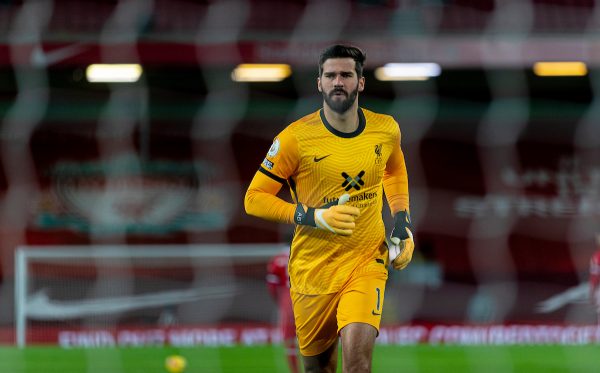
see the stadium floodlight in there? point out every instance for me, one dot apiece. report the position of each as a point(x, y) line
point(562, 68)
point(408, 71)
point(113, 73)
point(248, 72)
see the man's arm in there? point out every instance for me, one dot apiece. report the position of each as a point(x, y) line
point(280, 162)
point(395, 184)
point(261, 200)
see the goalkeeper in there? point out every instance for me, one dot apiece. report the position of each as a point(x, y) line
point(337, 163)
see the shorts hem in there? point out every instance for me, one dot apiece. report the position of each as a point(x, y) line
point(357, 322)
point(314, 351)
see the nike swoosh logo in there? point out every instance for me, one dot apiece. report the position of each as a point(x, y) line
point(39, 58)
point(375, 313)
point(320, 159)
point(575, 294)
point(39, 306)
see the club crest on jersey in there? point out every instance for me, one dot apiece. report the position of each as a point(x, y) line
point(378, 149)
point(274, 149)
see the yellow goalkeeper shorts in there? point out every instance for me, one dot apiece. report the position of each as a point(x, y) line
point(319, 318)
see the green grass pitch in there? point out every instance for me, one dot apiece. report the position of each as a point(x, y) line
point(270, 359)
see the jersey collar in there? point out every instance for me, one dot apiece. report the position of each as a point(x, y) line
point(361, 125)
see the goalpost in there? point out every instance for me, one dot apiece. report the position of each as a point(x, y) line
point(217, 263)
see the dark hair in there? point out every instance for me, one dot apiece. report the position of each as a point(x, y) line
point(344, 51)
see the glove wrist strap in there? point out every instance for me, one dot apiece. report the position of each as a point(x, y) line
point(402, 223)
point(302, 217)
point(402, 219)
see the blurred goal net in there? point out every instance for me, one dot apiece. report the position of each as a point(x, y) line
point(110, 293)
point(503, 162)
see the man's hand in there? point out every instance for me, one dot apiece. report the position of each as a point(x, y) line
point(335, 218)
point(401, 244)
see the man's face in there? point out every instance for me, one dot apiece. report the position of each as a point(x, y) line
point(339, 84)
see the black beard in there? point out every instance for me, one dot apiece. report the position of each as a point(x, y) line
point(340, 107)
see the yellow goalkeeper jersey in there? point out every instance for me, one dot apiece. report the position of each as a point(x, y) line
point(320, 164)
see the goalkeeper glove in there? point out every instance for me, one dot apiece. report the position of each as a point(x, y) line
point(334, 217)
point(401, 245)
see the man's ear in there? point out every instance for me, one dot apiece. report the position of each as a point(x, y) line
point(319, 85)
point(361, 84)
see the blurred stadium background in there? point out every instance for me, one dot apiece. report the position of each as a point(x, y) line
point(121, 204)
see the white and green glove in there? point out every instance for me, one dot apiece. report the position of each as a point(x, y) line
point(401, 244)
point(335, 217)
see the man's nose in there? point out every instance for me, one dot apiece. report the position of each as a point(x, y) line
point(338, 82)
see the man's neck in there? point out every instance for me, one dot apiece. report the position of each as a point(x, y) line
point(346, 122)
